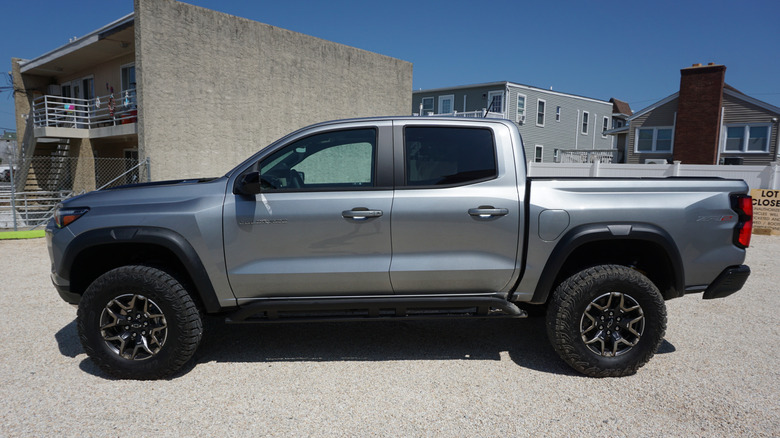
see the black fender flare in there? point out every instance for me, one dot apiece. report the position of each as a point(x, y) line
point(583, 234)
point(163, 237)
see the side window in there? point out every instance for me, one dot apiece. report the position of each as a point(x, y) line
point(446, 156)
point(332, 160)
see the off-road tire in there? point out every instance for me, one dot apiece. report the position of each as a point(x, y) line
point(569, 328)
point(110, 330)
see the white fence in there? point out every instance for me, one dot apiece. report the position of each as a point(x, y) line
point(757, 177)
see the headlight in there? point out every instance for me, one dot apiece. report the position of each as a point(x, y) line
point(65, 216)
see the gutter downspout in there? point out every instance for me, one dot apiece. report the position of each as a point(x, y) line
point(720, 135)
point(577, 131)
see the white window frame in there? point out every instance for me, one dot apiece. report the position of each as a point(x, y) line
point(424, 111)
point(585, 125)
point(538, 153)
point(654, 150)
point(451, 98)
point(746, 136)
point(558, 113)
point(605, 125)
point(543, 112)
point(121, 85)
point(490, 96)
point(522, 113)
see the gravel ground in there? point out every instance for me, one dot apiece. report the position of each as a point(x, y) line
point(715, 375)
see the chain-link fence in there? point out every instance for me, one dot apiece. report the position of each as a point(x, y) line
point(27, 199)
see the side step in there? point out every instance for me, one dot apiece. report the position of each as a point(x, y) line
point(359, 309)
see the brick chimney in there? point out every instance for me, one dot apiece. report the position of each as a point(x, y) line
point(697, 131)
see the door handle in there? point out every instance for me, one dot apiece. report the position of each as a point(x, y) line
point(360, 213)
point(486, 211)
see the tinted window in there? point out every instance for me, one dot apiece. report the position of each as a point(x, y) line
point(443, 156)
point(338, 159)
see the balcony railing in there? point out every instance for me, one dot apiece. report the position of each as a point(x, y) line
point(68, 112)
point(479, 114)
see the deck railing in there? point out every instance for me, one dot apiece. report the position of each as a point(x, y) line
point(69, 112)
point(479, 114)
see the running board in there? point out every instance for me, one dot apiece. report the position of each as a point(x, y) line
point(365, 309)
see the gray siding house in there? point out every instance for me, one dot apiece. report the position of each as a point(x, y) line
point(550, 122)
point(706, 122)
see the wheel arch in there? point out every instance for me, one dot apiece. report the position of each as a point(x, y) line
point(645, 247)
point(97, 251)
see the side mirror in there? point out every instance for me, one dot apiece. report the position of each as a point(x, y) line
point(248, 184)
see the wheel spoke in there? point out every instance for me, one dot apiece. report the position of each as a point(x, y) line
point(612, 324)
point(133, 326)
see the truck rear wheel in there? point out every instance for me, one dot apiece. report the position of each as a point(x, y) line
point(138, 322)
point(606, 321)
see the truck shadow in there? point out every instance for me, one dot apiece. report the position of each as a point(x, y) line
point(454, 339)
point(524, 340)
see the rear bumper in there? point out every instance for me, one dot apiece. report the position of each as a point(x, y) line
point(729, 281)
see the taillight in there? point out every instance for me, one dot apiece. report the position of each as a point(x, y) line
point(743, 205)
point(65, 216)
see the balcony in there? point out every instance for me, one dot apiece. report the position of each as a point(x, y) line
point(103, 116)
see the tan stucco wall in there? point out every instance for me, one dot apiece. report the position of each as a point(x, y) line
point(84, 175)
point(214, 88)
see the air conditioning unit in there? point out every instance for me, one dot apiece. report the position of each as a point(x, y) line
point(732, 160)
point(656, 161)
point(521, 119)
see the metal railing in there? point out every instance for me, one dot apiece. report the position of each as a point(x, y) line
point(69, 112)
point(29, 210)
point(586, 156)
point(479, 114)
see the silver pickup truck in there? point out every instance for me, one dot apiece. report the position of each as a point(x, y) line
point(394, 218)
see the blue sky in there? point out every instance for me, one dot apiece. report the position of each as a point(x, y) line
point(629, 50)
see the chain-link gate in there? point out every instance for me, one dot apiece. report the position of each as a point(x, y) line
point(29, 200)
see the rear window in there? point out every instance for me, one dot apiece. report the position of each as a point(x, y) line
point(439, 156)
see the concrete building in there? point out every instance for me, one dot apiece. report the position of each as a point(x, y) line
point(194, 90)
point(550, 122)
point(706, 122)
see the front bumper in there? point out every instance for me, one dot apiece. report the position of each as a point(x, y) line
point(729, 281)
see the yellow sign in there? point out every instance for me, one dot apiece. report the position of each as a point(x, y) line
point(766, 211)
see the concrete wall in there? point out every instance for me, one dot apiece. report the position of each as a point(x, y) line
point(214, 88)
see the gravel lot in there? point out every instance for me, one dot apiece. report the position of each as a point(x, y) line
point(715, 375)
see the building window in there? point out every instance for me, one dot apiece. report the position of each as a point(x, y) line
point(557, 113)
point(447, 104)
point(585, 116)
point(427, 106)
point(654, 140)
point(540, 104)
point(495, 102)
point(538, 153)
point(128, 77)
point(605, 126)
point(747, 138)
point(521, 108)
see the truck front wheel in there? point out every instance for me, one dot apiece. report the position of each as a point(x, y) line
point(138, 322)
point(606, 321)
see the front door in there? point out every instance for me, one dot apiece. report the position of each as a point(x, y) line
point(319, 226)
point(456, 212)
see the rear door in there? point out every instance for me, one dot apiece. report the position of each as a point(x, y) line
point(456, 211)
point(321, 224)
